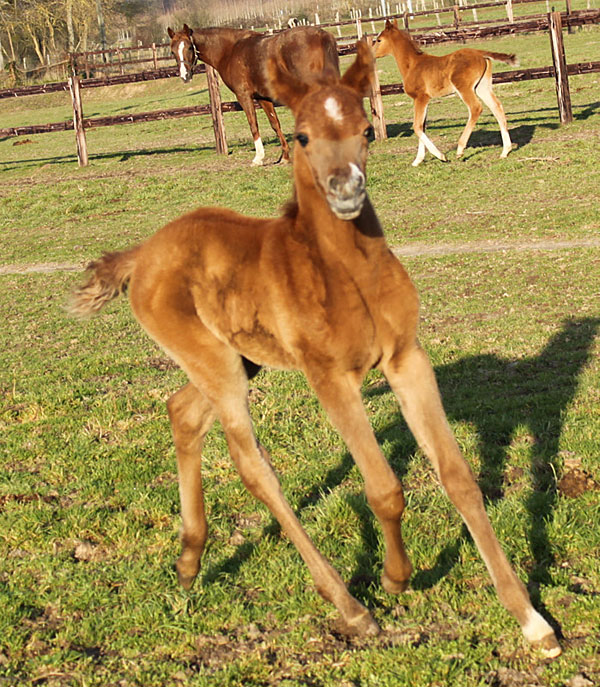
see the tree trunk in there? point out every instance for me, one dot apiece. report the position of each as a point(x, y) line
point(70, 31)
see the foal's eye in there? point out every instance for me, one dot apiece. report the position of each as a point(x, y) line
point(302, 139)
point(370, 133)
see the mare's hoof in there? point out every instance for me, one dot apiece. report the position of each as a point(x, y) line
point(548, 646)
point(283, 161)
point(362, 626)
point(393, 586)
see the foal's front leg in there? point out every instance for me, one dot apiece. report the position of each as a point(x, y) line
point(421, 102)
point(411, 377)
point(254, 466)
point(340, 396)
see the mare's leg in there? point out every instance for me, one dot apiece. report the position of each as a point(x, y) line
point(191, 417)
point(341, 398)
point(247, 104)
point(485, 92)
point(421, 102)
point(469, 98)
point(269, 110)
point(412, 379)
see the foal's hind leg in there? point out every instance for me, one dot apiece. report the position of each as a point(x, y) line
point(472, 102)
point(269, 109)
point(421, 102)
point(485, 92)
point(411, 378)
point(191, 417)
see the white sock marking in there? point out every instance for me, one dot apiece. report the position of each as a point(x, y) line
point(260, 152)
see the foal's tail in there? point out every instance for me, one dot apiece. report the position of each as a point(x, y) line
point(512, 60)
point(110, 277)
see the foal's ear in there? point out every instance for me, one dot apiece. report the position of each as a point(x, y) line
point(187, 30)
point(359, 76)
point(170, 32)
point(287, 89)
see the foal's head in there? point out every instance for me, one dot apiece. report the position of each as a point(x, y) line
point(184, 51)
point(332, 130)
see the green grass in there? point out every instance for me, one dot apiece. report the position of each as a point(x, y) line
point(89, 508)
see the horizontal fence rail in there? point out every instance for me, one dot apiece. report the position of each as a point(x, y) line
point(541, 23)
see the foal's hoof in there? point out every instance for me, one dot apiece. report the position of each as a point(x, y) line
point(548, 646)
point(393, 586)
point(185, 578)
point(362, 626)
point(283, 161)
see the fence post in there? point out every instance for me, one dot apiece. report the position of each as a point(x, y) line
point(74, 87)
point(214, 95)
point(563, 94)
point(359, 31)
point(377, 109)
point(509, 11)
point(569, 10)
point(154, 57)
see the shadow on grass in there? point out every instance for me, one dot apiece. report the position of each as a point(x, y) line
point(497, 395)
point(121, 155)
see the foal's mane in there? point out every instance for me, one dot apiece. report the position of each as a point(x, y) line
point(409, 39)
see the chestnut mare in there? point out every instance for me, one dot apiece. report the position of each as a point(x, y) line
point(467, 72)
point(240, 56)
point(316, 289)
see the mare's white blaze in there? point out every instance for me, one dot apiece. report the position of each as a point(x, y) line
point(260, 152)
point(333, 109)
point(182, 67)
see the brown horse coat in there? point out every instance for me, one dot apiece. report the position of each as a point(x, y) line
point(241, 57)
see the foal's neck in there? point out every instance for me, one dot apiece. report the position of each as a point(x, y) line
point(405, 51)
point(340, 239)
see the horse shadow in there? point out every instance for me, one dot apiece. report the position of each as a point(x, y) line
point(498, 396)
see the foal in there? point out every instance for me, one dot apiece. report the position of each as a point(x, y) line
point(316, 289)
point(467, 72)
point(240, 56)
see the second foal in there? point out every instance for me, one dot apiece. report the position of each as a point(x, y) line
point(316, 289)
point(467, 72)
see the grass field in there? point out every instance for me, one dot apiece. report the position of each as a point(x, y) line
point(506, 256)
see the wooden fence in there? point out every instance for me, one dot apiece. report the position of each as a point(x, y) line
point(559, 70)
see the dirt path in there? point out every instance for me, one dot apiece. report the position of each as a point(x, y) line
point(412, 250)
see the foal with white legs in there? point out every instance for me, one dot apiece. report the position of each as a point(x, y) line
point(316, 289)
point(467, 72)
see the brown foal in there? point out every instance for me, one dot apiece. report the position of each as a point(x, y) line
point(316, 289)
point(240, 56)
point(467, 72)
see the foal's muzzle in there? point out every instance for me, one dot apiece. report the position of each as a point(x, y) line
point(346, 192)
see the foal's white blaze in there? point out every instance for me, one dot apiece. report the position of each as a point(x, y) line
point(182, 68)
point(333, 109)
point(356, 175)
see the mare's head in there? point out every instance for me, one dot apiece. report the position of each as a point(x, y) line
point(332, 131)
point(184, 51)
point(384, 41)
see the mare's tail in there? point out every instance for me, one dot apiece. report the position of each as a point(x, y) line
point(512, 60)
point(110, 277)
